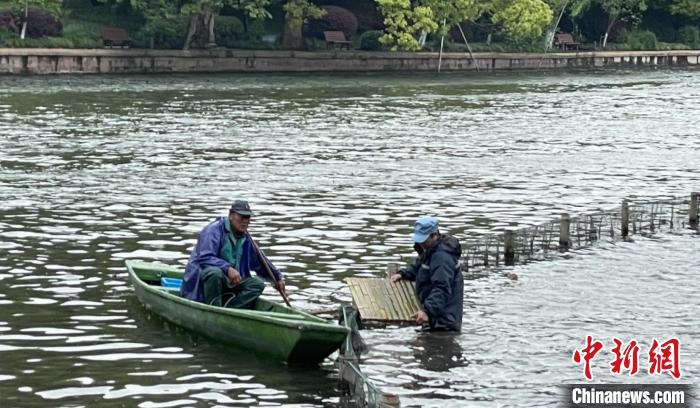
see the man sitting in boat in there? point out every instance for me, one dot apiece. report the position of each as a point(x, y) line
point(438, 276)
point(218, 272)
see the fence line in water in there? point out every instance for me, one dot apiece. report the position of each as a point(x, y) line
point(634, 216)
point(521, 246)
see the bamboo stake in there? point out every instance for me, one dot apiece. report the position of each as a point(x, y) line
point(509, 247)
point(564, 226)
point(625, 218)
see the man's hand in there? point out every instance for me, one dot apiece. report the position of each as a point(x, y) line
point(233, 275)
point(421, 317)
point(280, 287)
point(396, 277)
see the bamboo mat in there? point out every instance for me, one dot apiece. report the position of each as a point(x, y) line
point(379, 300)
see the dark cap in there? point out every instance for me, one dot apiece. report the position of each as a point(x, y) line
point(241, 207)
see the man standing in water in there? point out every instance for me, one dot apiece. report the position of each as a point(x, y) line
point(218, 272)
point(438, 276)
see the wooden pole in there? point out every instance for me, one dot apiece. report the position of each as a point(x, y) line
point(469, 48)
point(509, 247)
point(693, 216)
point(564, 226)
point(268, 270)
point(592, 231)
point(625, 218)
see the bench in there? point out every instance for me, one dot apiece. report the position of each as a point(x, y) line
point(113, 37)
point(336, 38)
point(565, 41)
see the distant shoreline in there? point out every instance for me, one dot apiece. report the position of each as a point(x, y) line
point(46, 61)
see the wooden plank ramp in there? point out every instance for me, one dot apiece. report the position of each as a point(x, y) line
point(381, 301)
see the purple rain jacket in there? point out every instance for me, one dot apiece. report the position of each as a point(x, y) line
point(206, 254)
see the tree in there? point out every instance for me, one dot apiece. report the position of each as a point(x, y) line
point(157, 13)
point(404, 19)
point(298, 12)
point(255, 9)
point(522, 18)
point(403, 23)
point(690, 8)
point(617, 10)
point(53, 7)
point(200, 13)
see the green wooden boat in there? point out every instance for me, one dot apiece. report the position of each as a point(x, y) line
point(270, 329)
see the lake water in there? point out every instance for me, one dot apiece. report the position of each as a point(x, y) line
point(98, 170)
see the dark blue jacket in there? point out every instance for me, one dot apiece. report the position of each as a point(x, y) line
point(439, 283)
point(206, 254)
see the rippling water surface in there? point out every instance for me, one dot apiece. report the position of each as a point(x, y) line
point(97, 170)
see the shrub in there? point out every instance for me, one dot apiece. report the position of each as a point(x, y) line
point(8, 22)
point(43, 24)
point(167, 33)
point(4, 35)
point(227, 30)
point(43, 42)
point(369, 41)
point(689, 35)
point(82, 35)
point(335, 19)
point(641, 40)
point(256, 28)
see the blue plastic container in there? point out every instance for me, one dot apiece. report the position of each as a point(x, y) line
point(174, 283)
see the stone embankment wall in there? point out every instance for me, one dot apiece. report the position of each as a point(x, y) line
point(122, 61)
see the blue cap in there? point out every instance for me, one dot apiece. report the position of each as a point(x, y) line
point(424, 227)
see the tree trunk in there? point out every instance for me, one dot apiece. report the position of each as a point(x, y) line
point(292, 39)
point(26, 19)
point(194, 19)
point(210, 29)
point(613, 19)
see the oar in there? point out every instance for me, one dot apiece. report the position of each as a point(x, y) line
point(267, 269)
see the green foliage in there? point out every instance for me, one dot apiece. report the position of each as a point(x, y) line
point(523, 19)
point(405, 19)
point(255, 9)
point(43, 42)
point(4, 35)
point(53, 7)
point(454, 12)
point(369, 41)
point(689, 35)
point(256, 28)
point(228, 30)
point(82, 35)
point(616, 9)
point(664, 46)
point(299, 12)
point(643, 40)
point(105, 15)
point(166, 33)
point(403, 23)
point(690, 8)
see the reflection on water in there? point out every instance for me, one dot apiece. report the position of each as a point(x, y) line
point(96, 170)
